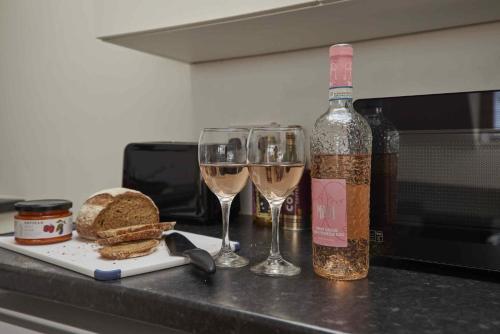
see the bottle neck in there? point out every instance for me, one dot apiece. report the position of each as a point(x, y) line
point(340, 97)
point(290, 151)
point(340, 94)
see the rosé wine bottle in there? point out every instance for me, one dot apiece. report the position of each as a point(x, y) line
point(340, 178)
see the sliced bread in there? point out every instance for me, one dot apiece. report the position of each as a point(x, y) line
point(132, 236)
point(129, 250)
point(135, 228)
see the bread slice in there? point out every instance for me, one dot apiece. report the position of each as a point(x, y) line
point(129, 250)
point(115, 208)
point(135, 228)
point(132, 236)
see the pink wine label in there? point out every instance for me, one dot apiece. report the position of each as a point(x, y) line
point(341, 65)
point(340, 93)
point(329, 212)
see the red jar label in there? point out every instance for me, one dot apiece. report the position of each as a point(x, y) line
point(329, 212)
point(42, 228)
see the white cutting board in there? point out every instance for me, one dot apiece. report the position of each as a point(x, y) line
point(82, 256)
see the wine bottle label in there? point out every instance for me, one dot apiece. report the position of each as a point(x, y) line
point(329, 216)
point(260, 207)
point(296, 210)
point(340, 93)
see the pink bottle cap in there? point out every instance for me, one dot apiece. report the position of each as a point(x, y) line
point(341, 65)
point(341, 50)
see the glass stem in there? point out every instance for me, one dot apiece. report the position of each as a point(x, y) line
point(226, 208)
point(275, 242)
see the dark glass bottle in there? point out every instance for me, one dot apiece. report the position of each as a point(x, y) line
point(296, 210)
point(261, 209)
point(383, 193)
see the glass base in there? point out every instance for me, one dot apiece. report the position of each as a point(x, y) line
point(276, 267)
point(230, 260)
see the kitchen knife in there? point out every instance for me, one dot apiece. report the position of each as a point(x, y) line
point(179, 245)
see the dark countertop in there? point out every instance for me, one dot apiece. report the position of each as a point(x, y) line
point(390, 300)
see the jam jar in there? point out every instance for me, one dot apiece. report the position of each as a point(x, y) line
point(43, 222)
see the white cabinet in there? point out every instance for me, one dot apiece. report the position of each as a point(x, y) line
point(199, 31)
point(118, 17)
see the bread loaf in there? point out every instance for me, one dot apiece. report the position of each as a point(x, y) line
point(115, 208)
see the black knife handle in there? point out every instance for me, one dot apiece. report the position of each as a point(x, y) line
point(201, 259)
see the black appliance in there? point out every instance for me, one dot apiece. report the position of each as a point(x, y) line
point(169, 173)
point(442, 202)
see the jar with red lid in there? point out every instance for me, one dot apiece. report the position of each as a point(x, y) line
point(43, 222)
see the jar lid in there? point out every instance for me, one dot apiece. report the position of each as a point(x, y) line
point(43, 205)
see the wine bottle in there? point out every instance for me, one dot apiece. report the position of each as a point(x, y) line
point(261, 208)
point(296, 210)
point(340, 178)
point(384, 172)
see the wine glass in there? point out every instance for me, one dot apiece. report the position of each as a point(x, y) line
point(276, 160)
point(222, 154)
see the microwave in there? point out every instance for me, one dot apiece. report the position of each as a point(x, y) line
point(169, 173)
point(435, 190)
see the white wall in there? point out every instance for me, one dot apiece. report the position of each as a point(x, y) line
point(292, 88)
point(69, 103)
